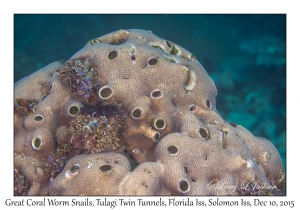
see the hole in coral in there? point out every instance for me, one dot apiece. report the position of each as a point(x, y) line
point(192, 57)
point(208, 104)
point(36, 143)
point(159, 124)
point(132, 57)
point(157, 47)
point(94, 41)
point(214, 181)
point(75, 169)
point(73, 110)
point(233, 124)
point(156, 137)
point(38, 118)
point(192, 107)
point(152, 61)
point(184, 186)
point(168, 44)
point(174, 50)
point(205, 157)
point(105, 168)
point(105, 92)
point(173, 150)
point(203, 133)
point(156, 94)
point(136, 113)
point(112, 54)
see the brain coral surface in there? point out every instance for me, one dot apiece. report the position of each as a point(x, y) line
point(133, 114)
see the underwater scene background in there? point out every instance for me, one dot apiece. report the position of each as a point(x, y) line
point(244, 54)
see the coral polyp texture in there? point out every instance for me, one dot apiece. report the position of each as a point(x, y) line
point(133, 114)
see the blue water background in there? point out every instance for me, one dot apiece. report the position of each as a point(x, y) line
point(244, 54)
